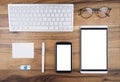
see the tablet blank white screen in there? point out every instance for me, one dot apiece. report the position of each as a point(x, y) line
point(64, 57)
point(93, 49)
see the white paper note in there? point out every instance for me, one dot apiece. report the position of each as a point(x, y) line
point(22, 50)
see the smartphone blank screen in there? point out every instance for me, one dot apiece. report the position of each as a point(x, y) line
point(93, 49)
point(63, 53)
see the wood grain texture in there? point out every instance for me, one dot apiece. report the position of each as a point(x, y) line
point(9, 67)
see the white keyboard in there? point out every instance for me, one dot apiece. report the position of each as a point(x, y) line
point(41, 17)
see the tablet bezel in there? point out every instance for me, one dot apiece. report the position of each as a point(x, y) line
point(94, 28)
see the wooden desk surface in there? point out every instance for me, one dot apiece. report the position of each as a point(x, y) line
point(8, 72)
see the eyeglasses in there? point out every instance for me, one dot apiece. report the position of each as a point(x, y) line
point(100, 12)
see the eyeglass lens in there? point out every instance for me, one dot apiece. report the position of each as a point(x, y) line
point(103, 12)
point(86, 12)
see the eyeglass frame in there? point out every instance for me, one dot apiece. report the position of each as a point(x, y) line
point(96, 10)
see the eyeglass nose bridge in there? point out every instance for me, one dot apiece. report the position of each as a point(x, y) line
point(95, 9)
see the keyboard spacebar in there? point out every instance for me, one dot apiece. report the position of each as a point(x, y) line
point(40, 29)
point(29, 29)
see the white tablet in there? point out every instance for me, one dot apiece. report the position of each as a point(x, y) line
point(94, 49)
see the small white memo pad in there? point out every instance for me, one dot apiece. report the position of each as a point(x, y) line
point(22, 50)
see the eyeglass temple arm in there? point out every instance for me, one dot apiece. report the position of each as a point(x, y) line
point(109, 12)
point(80, 11)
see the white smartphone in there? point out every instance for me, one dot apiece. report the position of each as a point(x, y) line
point(63, 57)
point(94, 49)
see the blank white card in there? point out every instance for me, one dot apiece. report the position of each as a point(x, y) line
point(22, 50)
